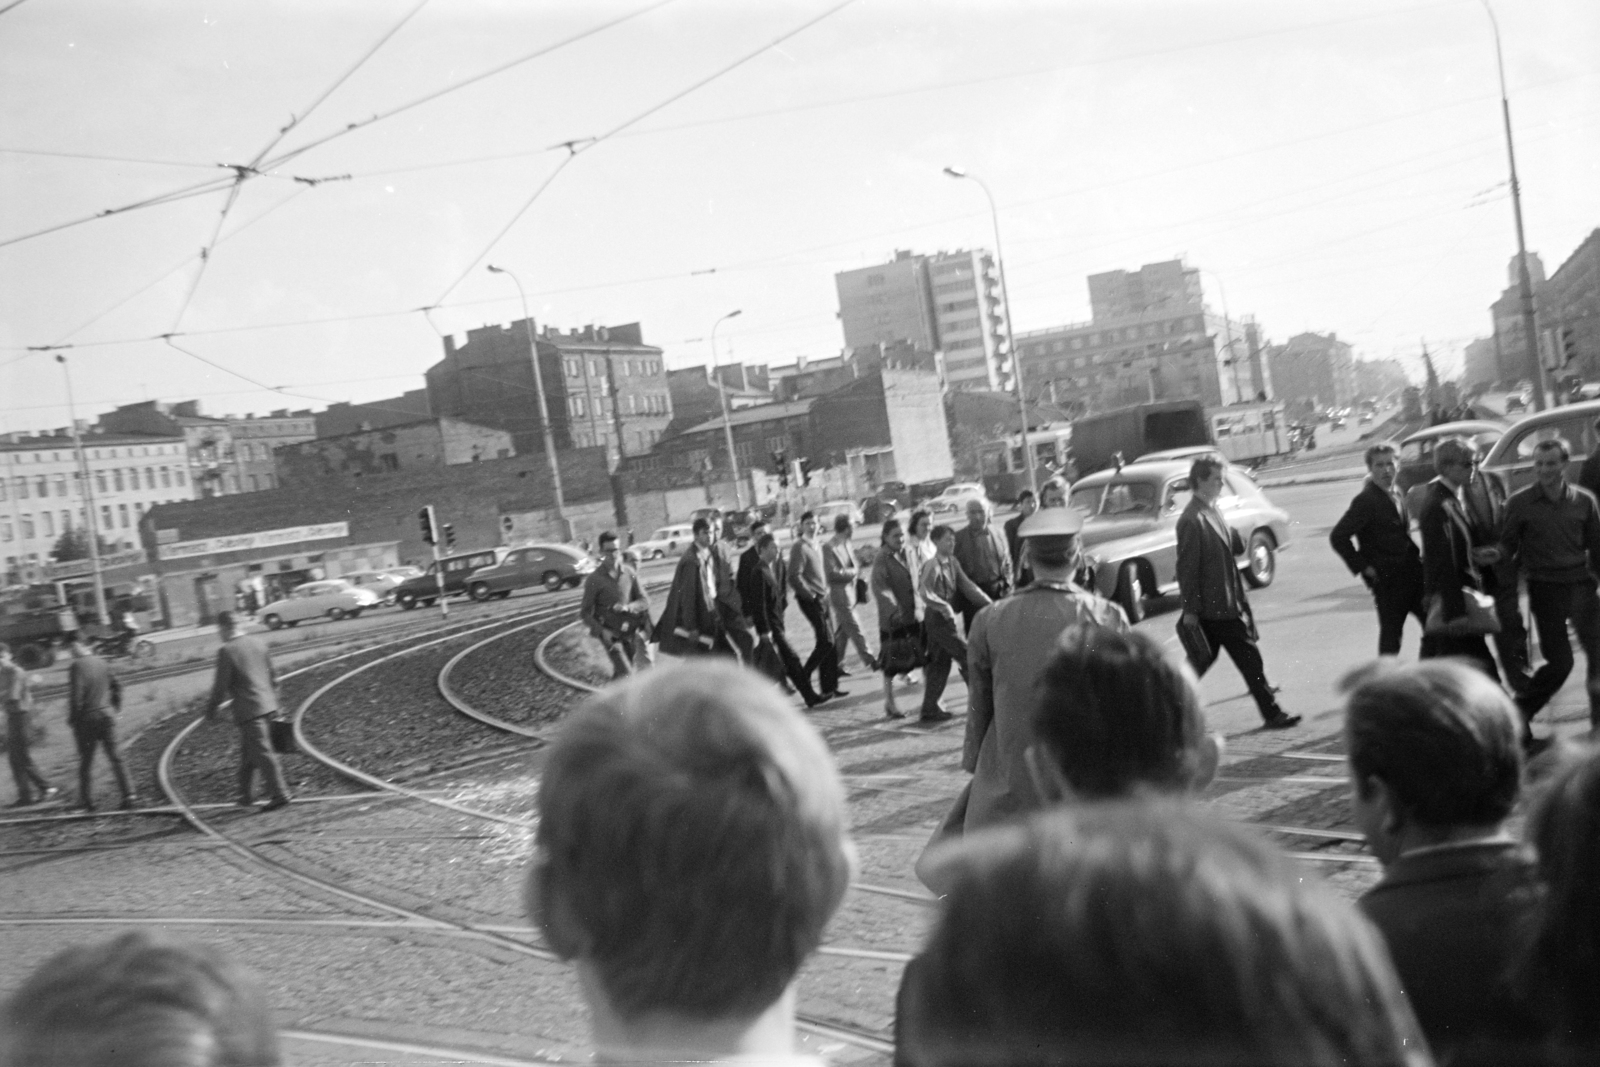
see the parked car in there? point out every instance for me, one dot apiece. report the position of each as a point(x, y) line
point(1516, 401)
point(1188, 454)
point(549, 565)
point(333, 598)
point(1511, 459)
point(383, 583)
point(1130, 531)
point(424, 588)
point(667, 541)
point(1416, 451)
point(830, 510)
point(953, 501)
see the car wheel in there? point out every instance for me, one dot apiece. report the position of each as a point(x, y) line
point(1261, 560)
point(336, 614)
point(552, 581)
point(273, 622)
point(479, 591)
point(658, 554)
point(143, 649)
point(1130, 592)
point(407, 601)
point(35, 657)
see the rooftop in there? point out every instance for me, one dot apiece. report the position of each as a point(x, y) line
point(757, 413)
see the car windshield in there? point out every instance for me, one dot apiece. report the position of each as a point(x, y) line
point(1117, 498)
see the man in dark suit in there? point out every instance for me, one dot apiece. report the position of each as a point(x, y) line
point(1435, 768)
point(1027, 504)
point(246, 678)
point(1483, 502)
point(1383, 554)
point(762, 588)
point(1448, 562)
point(1212, 592)
point(691, 620)
point(94, 698)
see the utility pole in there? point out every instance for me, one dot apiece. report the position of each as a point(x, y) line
point(722, 392)
point(544, 406)
point(91, 523)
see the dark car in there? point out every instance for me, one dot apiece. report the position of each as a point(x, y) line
point(1130, 532)
point(549, 565)
point(1416, 451)
point(424, 589)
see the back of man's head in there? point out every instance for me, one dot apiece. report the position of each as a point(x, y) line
point(1147, 933)
point(138, 1001)
point(691, 843)
point(1440, 736)
point(1115, 715)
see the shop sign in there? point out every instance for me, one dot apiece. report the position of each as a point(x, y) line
point(260, 539)
point(77, 568)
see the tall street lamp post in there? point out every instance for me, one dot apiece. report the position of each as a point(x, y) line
point(544, 406)
point(1011, 343)
point(722, 391)
point(1227, 329)
point(1524, 282)
point(91, 524)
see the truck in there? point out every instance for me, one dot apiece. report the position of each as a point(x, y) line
point(34, 622)
point(1099, 440)
point(1250, 434)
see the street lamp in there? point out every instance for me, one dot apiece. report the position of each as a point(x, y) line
point(722, 391)
point(544, 407)
point(90, 522)
point(1227, 328)
point(1011, 344)
point(1524, 282)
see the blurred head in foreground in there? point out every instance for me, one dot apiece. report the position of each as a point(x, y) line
point(138, 1001)
point(691, 848)
point(1133, 932)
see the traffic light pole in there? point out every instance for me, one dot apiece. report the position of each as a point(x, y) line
point(438, 573)
point(430, 534)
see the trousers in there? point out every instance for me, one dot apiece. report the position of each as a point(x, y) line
point(625, 651)
point(255, 754)
point(944, 648)
point(1396, 595)
point(849, 630)
point(1553, 605)
point(824, 660)
point(24, 772)
point(97, 731)
point(1234, 635)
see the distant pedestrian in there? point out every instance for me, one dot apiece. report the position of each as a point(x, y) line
point(942, 584)
point(1589, 473)
point(1449, 566)
point(1383, 554)
point(763, 588)
point(1212, 592)
point(896, 573)
point(616, 608)
point(16, 694)
point(981, 550)
point(1552, 534)
point(1053, 493)
point(245, 677)
point(918, 539)
point(94, 699)
point(844, 571)
point(725, 545)
point(808, 578)
point(1027, 504)
point(690, 623)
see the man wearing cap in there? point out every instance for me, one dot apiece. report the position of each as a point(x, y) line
point(1007, 648)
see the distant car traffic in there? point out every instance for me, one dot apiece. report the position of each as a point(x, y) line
point(667, 541)
point(424, 588)
point(1130, 531)
point(332, 598)
point(549, 565)
point(953, 501)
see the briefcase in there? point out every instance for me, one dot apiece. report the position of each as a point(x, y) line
point(1196, 645)
point(280, 734)
point(1480, 618)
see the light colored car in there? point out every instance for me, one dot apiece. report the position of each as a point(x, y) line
point(953, 501)
point(332, 598)
point(830, 510)
point(1130, 532)
point(383, 583)
point(667, 541)
point(1511, 459)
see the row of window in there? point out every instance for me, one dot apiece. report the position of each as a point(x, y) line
point(118, 480)
point(102, 453)
point(635, 441)
point(628, 368)
point(641, 404)
point(49, 524)
point(1059, 366)
point(1111, 337)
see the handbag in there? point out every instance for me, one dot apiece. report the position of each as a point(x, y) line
point(280, 734)
point(862, 596)
point(901, 652)
point(1196, 645)
point(1480, 618)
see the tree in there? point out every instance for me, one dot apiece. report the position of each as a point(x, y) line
point(74, 544)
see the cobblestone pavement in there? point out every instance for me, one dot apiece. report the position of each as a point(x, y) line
point(459, 972)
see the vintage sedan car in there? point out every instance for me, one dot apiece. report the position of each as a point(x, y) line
point(953, 501)
point(1130, 532)
point(549, 565)
point(332, 598)
point(1511, 459)
point(667, 541)
point(383, 582)
point(1416, 451)
point(830, 510)
point(424, 588)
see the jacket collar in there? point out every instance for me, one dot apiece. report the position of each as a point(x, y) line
point(1458, 861)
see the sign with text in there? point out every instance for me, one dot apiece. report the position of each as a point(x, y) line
point(260, 539)
point(78, 568)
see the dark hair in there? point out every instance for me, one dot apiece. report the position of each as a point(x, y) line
point(1440, 735)
point(763, 540)
point(890, 526)
point(1147, 933)
point(1117, 715)
point(701, 525)
point(757, 525)
point(1562, 968)
point(917, 516)
point(940, 532)
point(1382, 448)
point(139, 1001)
point(1452, 450)
point(605, 535)
point(1026, 494)
point(841, 523)
point(1549, 443)
point(1204, 467)
point(804, 515)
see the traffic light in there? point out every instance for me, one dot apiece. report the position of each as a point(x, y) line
point(449, 537)
point(780, 463)
point(805, 472)
point(1569, 345)
point(430, 528)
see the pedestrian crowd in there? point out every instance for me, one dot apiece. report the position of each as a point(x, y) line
point(692, 838)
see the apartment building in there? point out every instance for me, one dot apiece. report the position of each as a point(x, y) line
point(255, 438)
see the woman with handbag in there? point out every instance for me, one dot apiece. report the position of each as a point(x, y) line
point(1452, 586)
point(894, 590)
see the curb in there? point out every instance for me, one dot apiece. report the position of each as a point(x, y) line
point(1349, 474)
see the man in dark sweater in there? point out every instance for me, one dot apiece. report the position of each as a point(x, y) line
point(1435, 768)
point(245, 677)
point(1373, 537)
point(94, 698)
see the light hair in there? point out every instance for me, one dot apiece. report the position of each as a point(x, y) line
point(1382, 448)
point(1150, 932)
point(138, 1000)
point(691, 842)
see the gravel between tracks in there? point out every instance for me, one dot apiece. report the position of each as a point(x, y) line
point(501, 679)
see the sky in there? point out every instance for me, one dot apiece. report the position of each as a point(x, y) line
point(331, 177)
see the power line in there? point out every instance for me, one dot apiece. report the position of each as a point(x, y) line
point(107, 159)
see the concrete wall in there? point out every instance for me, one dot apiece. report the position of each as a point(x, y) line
point(467, 442)
point(435, 443)
point(914, 408)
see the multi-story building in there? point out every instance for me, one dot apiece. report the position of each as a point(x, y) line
point(695, 395)
point(42, 495)
point(1481, 363)
point(1510, 338)
point(603, 386)
point(426, 443)
point(1569, 309)
point(948, 303)
point(1314, 367)
point(255, 438)
point(336, 420)
point(212, 465)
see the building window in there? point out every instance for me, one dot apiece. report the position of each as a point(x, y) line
point(26, 523)
point(61, 485)
point(255, 483)
point(177, 475)
point(6, 533)
point(105, 516)
point(22, 487)
point(116, 479)
point(100, 481)
point(47, 524)
point(578, 406)
point(149, 477)
point(133, 477)
point(43, 486)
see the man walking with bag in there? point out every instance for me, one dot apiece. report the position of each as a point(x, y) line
point(1450, 565)
point(616, 608)
point(245, 676)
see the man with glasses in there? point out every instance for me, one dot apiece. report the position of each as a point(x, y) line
point(616, 608)
point(1552, 536)
point(1449, 564)
point(1483, 501)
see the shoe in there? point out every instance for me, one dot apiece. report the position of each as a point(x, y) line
point(50, 793)
point(893, 713)
point(843, 673)
point(1281, 720)
point(837, 694)
point(936, 715)
point(274, 805)
point(817, 702)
